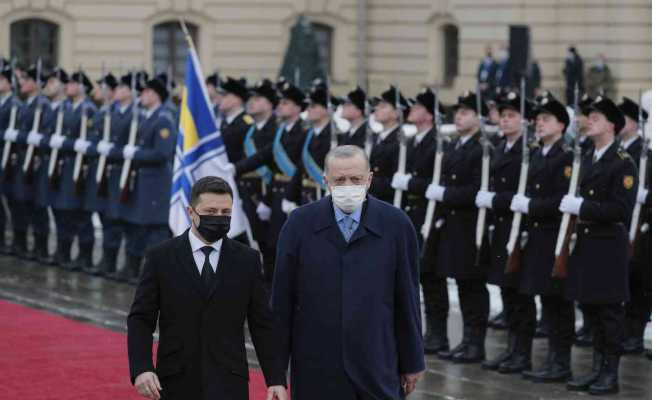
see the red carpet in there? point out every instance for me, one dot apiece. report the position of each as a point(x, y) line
point(48, 357)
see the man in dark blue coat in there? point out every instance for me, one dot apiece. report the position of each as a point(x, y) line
point(347, 279)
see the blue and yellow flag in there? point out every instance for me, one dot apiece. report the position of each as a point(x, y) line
point(200, 151)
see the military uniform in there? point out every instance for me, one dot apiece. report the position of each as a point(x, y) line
point(308, 185)
point(6, 104)
point(384, 162)
point(357, 137)
point(234, 128)
point(637, 310)
point(598, 265)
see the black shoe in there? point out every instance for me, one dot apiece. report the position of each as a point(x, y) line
point(633, 343)
point(436, 337)
point(108, 264)
point(474, 353)
point(41, 250)
point(607, 382)
point(448, 354)
point(583, 384)
point(62, 255)
point(542, 329)
point(499, 322)
point(506, 355)
point(518, 364)
point(557, 373)
point(131, 270)
point(550, 359)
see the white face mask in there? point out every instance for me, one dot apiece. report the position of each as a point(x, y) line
point(349, 198)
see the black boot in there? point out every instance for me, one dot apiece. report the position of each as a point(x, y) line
point(584, 337)
point(475, 350)
point(521, 359)
point(585, 382)
point(41, 249)
point(633, 343)
point(62, 256)
point(498, 322)
point(86, 255)
point(506, 355)
point(107, 266)
point(4, 248)
point(559, 370)
point(542, 328)
point(137, 268)
point(547, 365)
point(448, 354)
point(607, 382)
point(436, 337)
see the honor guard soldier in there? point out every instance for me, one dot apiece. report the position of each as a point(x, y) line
point(506, 164)
point(235, 122)
point(389, 112)
point(147, 191)
point(67, 203)
point(456, 250)
point(170, 85)
point(549, 175)
point(307, 184)
point(95, 201)
point(215, 95)
point(281, 157)
point(598, 264)
point(8, 101)
point(114, 224)
point(354, 109)
point(637, 310)
point(28, 168)
point(418, 175)
point(254, 186)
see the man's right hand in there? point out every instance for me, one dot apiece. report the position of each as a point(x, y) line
point(148, 385)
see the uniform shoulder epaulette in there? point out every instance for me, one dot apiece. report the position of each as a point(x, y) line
point(248, 119)
point(166, 115)
point(623, 154)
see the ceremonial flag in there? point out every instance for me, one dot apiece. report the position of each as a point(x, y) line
point(200, 151)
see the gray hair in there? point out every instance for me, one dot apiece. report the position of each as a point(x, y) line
point(344, 152)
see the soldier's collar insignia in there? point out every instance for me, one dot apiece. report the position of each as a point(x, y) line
point(628, 182)
point(165, 133)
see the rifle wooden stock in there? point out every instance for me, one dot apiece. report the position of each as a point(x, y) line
point(514, 261)
point(560, 268)
point(6, 150)
point(402, 160)
point(100, 175)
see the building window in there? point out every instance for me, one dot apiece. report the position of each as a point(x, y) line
point(171, 49)
point(33, 38)
point(451, 53)
point(324, 38)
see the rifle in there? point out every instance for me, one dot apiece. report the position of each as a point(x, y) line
point(100, 175)
point(127, 172)
point(54, 153)
point(642, 175)
point(436, 172)
point(567, 228)
point(83, 134)
point(484, 183)
point(6, 151)
point(29, 155)
point(402, 150)
point(513, 251)
point(369, 134)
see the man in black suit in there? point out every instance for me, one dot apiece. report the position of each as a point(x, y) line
point(201, 286)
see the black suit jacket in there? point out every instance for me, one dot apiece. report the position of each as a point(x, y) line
point(201, 353)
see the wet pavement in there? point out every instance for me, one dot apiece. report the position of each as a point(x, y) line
point(106, 303)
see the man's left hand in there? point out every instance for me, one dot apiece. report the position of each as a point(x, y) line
point(409, 381)
point(277, 393)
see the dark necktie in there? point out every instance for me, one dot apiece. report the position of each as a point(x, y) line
point(207, 273)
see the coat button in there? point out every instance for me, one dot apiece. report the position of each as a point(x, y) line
point(536, 224)
point(503, 180)
point(586, 231)
point(452, 212)
point(500, 219)
point(591, 192)
point(376, 169)
point(453, 177)
point(537, 186)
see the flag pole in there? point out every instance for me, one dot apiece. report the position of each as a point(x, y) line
point(186, 33)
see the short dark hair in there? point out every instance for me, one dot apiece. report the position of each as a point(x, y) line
point(209, 184)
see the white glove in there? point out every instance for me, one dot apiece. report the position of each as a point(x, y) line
point(484, 199)
point(520, 204)
point(56, 141)
point(82, 145)
point(34, 138)
point(128, 151)
point(641, 197)
point(104, 147)
point(11, 135)
point(229, 168)
point(571, 204)
point(435, 192)
point(264, 212)
point(401, 181)
point(288, 206)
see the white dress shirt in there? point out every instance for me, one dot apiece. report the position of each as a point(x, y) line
point(196, 245)
point(597, 154)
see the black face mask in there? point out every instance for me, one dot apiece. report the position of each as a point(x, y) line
point(213, 227)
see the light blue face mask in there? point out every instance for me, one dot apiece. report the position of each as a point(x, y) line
point(349, 198)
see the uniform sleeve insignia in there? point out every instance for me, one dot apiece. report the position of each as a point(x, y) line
point(165, 133)
point(90, 122)
point(247, 119)
point(628, 182)
point(568, 171)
